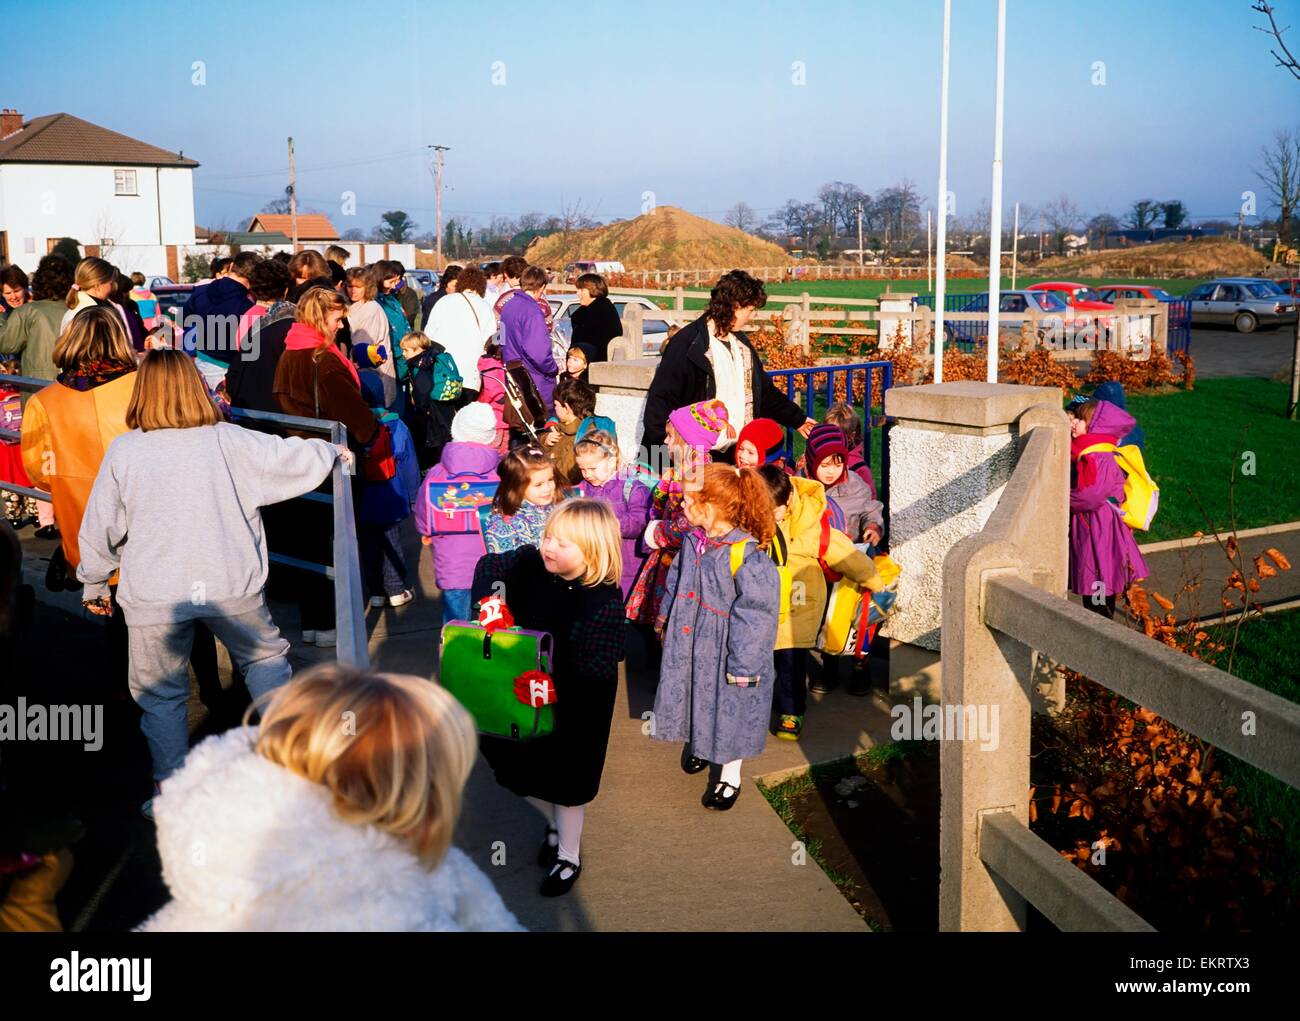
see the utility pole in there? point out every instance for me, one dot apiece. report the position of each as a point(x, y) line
point(860, 262)
point(293, 201)
point(438, 150)
point(1015, 246)
point(1040, 237)
point(929, 250)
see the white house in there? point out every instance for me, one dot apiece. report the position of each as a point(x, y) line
point(119, 197)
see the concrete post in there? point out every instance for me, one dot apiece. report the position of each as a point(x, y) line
point(634, 329)
point(895, 311)
point(952, 449)
point(621, 386)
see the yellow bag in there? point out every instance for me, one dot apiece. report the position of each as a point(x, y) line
point(1141, 494)
point(782, 567)
point(845, 629)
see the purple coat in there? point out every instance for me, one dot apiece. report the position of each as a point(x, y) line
point(633, 513)
point(524, 336)
point(1103, 551)
point(455, 556)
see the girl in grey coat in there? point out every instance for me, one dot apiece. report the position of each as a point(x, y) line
point(720, 619)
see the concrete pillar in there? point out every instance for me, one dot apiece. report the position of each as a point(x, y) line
point(621, 386)
point(895, 311)
point(952, 449)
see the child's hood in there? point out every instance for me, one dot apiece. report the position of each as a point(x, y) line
point(1111, 420)
point(807, 505)
point(234, 828)
point(460, 458)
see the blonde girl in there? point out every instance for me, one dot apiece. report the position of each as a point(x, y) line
point(569, 589)
point(92, 284)
point(352, 781)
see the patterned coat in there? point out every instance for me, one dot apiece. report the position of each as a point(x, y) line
point(716, 625)
point(587, 625)
point(504, 534)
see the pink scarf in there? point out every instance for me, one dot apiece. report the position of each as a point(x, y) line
point(302, 337)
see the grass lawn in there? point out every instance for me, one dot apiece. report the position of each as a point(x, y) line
point(1191, 439)
point(1266, 656)
point(779, 294)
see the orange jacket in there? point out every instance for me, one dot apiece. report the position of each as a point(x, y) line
point(65, 434)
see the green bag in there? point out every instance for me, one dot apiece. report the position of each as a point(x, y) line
point(479, 667)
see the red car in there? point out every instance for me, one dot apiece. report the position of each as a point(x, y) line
point(1082, 299)
point(1144, 292)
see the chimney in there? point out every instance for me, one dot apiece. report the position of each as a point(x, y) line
point(11, 121)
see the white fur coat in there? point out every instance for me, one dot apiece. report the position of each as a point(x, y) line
point(248, 845)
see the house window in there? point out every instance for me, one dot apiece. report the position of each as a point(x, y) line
point(105, 242)
point(124, 182)
point(29, 246)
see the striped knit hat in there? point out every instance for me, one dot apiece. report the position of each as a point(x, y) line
point(700, 424)
point(826, 440)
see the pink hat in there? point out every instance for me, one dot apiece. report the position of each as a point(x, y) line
point(700, 424)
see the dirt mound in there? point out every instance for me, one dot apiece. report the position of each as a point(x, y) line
point(1204, 257)
point(667, 238)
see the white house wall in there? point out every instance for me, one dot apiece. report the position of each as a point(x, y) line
point(43, 201)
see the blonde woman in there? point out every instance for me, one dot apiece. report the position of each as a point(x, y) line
point(310, 824)
point(315, 379)
point(93, 282)
point(371, 341)
point(569, 588)
point(176, 507)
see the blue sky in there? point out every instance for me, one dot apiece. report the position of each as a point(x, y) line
point(691, 101)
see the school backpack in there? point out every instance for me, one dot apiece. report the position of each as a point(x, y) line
point(635, 474)
point(483, 670)
point(780, 556)
point(853, 613)
point(445, 382)
point(458, 504)
point(1141, 494)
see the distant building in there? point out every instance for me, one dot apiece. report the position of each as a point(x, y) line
point(312, 227)
point(1128, 237)
point(61, 176)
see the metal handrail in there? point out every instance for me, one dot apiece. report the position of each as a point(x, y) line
point(345, 571)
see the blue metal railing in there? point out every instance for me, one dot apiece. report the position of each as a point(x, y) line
point(873, 420)
point(1180, 326)
point(965, 335)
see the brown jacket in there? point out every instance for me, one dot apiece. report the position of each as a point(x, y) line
point(339, 396)
point(562, 454)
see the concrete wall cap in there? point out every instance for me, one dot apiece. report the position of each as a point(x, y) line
point(967, 402)
point(633, 374)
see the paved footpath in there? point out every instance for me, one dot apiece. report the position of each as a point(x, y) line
point(653, 857)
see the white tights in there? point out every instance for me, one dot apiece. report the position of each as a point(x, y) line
point(567, 819)
point(731, 772)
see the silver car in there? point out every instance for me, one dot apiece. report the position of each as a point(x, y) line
point(1246, 303)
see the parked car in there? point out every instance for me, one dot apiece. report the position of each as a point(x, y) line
point(1246, 303)
point(172, 296)
point(975, 332)
point(1082, 299)
point(575, 269)
point(155, 282)
point(424, 280)
point(654, 331)
point(1289, 285)
point(1139, 292)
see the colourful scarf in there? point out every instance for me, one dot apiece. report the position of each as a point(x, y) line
point(91, 374)
point(1086, 473)
point(302, 337)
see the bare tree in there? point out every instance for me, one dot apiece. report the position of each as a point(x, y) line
point(573, 216)
point(1281, 176)
point(1062, 216)
point(1143, 214)
point(1284, 59)
point(1100, 226)
point(741, 216)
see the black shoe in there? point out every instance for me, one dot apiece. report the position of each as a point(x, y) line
point(690, 764)
point(860, 681)
point(554, 885)
point(822, 685)
point(548, 852)
point(48, 532)
point(722, 796)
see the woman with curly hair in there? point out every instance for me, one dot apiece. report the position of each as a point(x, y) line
point(710, 359)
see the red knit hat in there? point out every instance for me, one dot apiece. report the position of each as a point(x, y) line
point(766, 435)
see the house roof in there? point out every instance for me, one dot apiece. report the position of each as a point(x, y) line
point(311, 226)
point(63, 138)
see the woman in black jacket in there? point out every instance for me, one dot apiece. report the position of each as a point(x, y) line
point(709, 359)
point(596, 321)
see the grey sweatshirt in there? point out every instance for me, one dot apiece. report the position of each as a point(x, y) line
point(178, 511)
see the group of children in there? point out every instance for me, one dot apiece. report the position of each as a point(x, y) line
point(704, 558)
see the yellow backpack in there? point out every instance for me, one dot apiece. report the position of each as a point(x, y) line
point(782, 565)
point(1141, 494)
